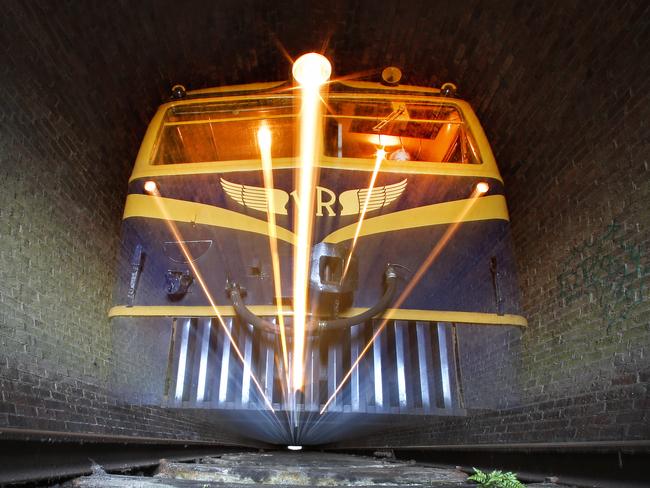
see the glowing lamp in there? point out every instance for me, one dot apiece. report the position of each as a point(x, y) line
point(264, 138)
point(294, 448)
point(150, 187)
point(482, 187)
point(400, 155)
point(312, 69)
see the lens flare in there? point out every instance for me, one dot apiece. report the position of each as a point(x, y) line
point(435, 252)
point(482, 187)
point(312, 69)
point(264, 142)
point(150, 187)
point(160, 202)
point(381, 154)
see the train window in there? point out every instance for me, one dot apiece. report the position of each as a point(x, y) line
point(407, 131)
point(199, 133)
point(227, 131)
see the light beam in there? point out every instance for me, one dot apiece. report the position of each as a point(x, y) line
point(381, 154)
point(435, 252)
point(197, 274)
point(310, 71)
point(264, 140)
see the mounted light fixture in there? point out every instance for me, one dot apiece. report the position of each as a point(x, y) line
point(391, 76)
point(150, 187)
point(312, 69)
point(482, 187)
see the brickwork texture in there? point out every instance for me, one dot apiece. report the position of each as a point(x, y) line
point(561, 88)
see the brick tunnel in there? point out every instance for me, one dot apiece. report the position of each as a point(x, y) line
point(523, 345)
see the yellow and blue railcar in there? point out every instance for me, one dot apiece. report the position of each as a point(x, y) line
point(197, 202)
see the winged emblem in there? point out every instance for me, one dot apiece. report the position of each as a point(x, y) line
point(352, 201)
point(257, 197)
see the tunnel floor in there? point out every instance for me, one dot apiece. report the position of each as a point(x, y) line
point(288, 469)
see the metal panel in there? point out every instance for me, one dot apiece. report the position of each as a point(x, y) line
point(424, 361)
point(355, 349)
point(400, 357)
point(312, 385)
point(409, 368)
point(225, 362)
point(268, 364)
point(174, 353)
point(454, 381)
point(334, 373)
point(376, 368)
point(182, 359)
point(248, 359)
point(205, 326)
point(443, 332)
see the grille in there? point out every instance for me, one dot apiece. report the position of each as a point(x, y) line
point(410, 368)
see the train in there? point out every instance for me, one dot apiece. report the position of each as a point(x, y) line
point(409, 241)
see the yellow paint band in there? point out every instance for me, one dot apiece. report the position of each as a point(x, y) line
point(197, 213)
point(478, 318)
point(343, 164)
point(485, 208)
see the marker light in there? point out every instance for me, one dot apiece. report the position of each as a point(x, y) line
point(312, 69)
point(482, 187)
point(150, 187)
point(294, 448)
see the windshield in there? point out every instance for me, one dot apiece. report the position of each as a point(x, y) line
point(226, 131)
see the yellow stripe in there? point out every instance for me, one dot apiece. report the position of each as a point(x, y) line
point(343, 164)
point(199, 213)
point(478, 318)
point(485, 208)
point(185, 311)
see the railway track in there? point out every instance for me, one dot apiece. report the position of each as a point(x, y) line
point(282, 469)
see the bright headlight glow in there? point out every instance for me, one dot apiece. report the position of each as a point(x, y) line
point(294, 448)
point(482, 187)
point(264, 138)
point(150, 187)
point(264, 141)
point(312, 69)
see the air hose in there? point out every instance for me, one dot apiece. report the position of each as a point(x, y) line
point(390, 277)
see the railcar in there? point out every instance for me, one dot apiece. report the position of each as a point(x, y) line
point(196, 308)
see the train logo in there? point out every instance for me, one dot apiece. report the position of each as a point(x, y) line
point(351, 201)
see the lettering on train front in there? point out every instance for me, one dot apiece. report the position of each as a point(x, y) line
point(351, 202)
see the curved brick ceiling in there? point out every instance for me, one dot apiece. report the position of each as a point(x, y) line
point(511, 60)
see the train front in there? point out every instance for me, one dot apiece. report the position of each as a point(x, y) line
point(298, 254)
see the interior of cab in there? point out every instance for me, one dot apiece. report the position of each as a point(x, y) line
point(211, 132)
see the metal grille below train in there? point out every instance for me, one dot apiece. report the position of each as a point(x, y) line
point(411, 368)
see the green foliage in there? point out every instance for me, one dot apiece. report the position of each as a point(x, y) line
point(496, 479)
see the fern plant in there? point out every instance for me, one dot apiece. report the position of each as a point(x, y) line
point(496, 479)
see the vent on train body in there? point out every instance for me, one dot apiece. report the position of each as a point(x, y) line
point(411, 368)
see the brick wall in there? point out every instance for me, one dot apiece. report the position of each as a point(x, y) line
point(569, 127)
point(66, 149)
point(561, 88)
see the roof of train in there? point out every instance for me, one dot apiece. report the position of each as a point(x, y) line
point(342, 85)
